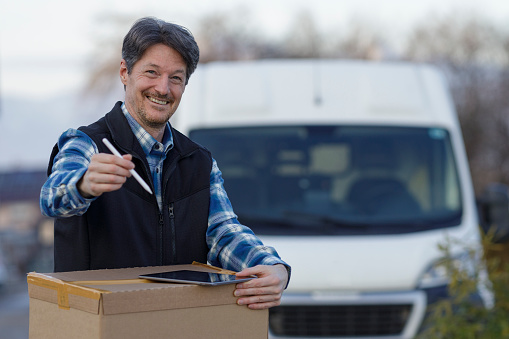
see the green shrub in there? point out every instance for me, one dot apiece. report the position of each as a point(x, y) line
point(460, 316)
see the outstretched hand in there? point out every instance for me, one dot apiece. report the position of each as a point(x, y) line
point(105, 173)
point(265, 291)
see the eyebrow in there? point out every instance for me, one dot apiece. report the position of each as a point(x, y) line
point(183, 71)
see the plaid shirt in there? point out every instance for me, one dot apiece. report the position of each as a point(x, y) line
point(231, 245)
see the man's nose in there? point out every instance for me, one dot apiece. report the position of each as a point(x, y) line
point(162, 85)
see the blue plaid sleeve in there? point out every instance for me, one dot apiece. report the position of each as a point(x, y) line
point(232, 246)
point(59, 194)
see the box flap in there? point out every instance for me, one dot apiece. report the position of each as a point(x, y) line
point(47, 288)
point(121, 291)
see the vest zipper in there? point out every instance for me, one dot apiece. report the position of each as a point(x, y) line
point(169, 170)
point(161, 242)
point(172, 229)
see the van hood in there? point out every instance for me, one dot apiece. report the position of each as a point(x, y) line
point(359, 264)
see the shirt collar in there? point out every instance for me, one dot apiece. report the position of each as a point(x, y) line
point(147, 142)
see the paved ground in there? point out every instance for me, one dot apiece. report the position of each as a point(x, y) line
point(14, 311)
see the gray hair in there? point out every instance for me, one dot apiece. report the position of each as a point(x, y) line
point(150, 31)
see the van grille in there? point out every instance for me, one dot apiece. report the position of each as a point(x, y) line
point(338, 320)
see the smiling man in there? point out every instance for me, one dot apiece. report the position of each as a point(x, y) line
point(105, 219)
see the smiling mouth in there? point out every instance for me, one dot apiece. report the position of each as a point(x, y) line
point(157, 101)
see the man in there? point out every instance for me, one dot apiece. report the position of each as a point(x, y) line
point(105, 219)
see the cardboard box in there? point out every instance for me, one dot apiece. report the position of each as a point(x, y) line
point(117, 304)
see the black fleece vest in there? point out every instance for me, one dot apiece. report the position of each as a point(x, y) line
point(125, 228)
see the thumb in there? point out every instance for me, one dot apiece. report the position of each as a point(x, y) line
point(249, 271)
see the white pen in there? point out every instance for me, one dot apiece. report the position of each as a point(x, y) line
point(133, 172)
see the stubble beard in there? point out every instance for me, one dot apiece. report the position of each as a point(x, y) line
point(151, 122)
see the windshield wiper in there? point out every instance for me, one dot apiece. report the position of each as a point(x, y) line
point(264, 219)
point(290, 224)
point(295, 221)
point(325, 219)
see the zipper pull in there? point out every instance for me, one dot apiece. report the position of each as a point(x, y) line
point(170, 209)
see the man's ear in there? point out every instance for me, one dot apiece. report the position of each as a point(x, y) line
point(123, 72)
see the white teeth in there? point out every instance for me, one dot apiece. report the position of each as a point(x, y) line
point(160, 102)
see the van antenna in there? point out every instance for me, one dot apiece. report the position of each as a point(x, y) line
point(317, 84)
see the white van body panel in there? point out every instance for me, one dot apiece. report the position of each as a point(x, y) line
point(358, 264)
point(280, 92)
point(339, 269)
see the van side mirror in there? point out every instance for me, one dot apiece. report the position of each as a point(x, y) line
point(493, 207)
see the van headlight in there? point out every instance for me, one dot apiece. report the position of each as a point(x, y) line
point(435, 275)
point(468, 266)
point(439, 272)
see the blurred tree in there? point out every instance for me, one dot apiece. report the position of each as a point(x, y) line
point(230, 36)
point(303, 40)
point(226, 37)
point(104, 62)
point(361, 41)
point(470, 52)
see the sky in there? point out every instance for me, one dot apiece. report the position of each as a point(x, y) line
point(46, 47)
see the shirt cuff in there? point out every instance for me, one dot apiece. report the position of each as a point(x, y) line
point(76, 200)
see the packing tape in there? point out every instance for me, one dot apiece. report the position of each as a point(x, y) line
point(63, 289)
point(218, 269)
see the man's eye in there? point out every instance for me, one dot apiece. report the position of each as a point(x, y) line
point(151, 72)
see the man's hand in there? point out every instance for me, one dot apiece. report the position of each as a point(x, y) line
point(105, 173)
point(266, 290)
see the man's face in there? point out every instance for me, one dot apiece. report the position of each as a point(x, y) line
point(155, 86)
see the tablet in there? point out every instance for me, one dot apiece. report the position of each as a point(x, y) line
point(195, 277)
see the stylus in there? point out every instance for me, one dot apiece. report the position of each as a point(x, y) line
point(133, 172)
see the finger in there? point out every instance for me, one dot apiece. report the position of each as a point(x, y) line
point(259, 283)
point(110, 164)
point(260, 301)
point(266, 290)
point(96, 184)
point(105, 178)
point(127, 157)
point(263, 306)
point(109, 159)
point(255, 270)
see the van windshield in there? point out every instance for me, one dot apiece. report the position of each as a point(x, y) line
point(348, 180)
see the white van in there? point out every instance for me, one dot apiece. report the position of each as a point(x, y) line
point(354, 171)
